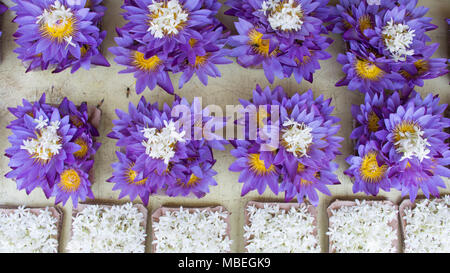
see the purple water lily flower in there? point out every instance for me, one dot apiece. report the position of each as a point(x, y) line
point(396, 37)
point(89, 56)
point(369, 170)
point(73, 182)
point(148, 71)
point(196, 181)
point(281, 36)
point(200, 57)
point(415, 146)
point(171, 36)
point(303, 182)
point(308, 131)
point(425, 67)
point(308, 144)
point(256, 171)
point(57, 34)
point(165, 24)
point(52, 148)
point(124, 179)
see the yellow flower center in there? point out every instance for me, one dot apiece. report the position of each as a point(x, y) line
point(402, 128)
point(347, 25)
point(83, 150)
point(84, 49)
point(59, 31)
point(70, 180)
point(148, 65)
point(368, 70)
point(364, 23)
point(257, 165)
point(259, 45)
point(131, 176)
point(371, 172)
point(373, 122)
point(193, 180)
point(201, 60)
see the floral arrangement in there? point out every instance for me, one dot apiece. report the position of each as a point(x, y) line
point(400, 143)
point(59, 34)
point(282, 36)
point(52, 149)
point(386, 45)
point(163, 153)
point(170, 36)
point(303, 162)
point(3, 8)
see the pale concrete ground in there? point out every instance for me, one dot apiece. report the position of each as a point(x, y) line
point(236, 82)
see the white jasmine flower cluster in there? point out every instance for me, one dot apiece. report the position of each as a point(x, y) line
point(22, 231)
point(272, 229)
point(161, 145)
point(166, 18)
point(427, 228)
point(199, 231)
point(297, 137)
point(57, 17)
point(363, 228)
point(412, 144)
point(48, 142)
point(104, 229)
point(398, 38)
point(285, 15)
point(374, 2)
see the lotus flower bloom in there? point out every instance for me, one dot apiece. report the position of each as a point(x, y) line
point(59, 34)
point(163, 152)
point(416, 144)
point(302, 162)
point(394, 32)
point(124, 176)
point(400, 144)
point(367, 73)
point(369, 170)
point(284, 37)
point(52, 148)
point(369, 118)
point(170, 36)
point(3, 8)
point(73, 182)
